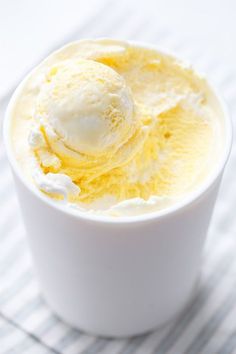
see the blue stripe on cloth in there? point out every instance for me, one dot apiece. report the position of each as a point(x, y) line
point(133, 344)
point(30, 340)
point(208, 330)
point(200, 299)
point(30, 345)
point(97, 346)
point(46, 326)
point(229, 344)
point(70, 336)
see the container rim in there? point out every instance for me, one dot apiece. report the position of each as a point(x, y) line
point(178, 206)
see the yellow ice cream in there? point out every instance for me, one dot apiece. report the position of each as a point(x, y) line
point(106, 118)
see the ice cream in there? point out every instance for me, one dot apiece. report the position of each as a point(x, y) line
point(110, 127)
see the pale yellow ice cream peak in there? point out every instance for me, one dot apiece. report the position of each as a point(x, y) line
point(119, 121)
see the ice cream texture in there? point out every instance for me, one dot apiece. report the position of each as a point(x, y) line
point(105, 122)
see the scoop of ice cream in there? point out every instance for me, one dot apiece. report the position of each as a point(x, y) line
point(88, 105)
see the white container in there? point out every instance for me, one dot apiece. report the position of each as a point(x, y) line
point(117, 276)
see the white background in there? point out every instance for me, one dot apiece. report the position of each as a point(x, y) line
point(30, 29)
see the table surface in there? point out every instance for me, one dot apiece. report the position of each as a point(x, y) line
point(202, 32)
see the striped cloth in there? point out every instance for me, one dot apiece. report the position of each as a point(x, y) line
point(208, 325)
